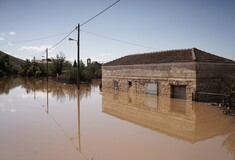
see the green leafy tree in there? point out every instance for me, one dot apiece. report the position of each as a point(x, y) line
point(24, 68)
point(90, 72)
point(67, 65)
point(82, 65)
point(5, 65)
point(228, 90)
point(57, 65)
point(31, 69)
point(75, 64)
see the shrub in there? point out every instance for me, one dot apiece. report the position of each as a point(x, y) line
point(228, 91)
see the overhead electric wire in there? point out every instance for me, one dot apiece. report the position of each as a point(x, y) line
point(59, 34)
point(62, 39)
point(35, 39)
point(40, 54)
point(99, 13)
point(113, 39)
point(83, 24)
point(68, 33)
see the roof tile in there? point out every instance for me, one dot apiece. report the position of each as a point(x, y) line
point(169, 56)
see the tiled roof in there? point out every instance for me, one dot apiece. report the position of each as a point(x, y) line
point(169, 56)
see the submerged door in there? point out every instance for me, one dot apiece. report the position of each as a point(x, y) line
point(151, 88)
point(179, 92)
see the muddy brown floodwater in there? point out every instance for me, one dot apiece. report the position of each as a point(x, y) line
point(54, 121)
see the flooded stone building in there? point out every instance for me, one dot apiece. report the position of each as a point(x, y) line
point(185, 73)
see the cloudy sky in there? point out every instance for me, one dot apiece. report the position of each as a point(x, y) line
point(28, 27)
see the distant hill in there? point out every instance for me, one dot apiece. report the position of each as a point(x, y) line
point(16, 62)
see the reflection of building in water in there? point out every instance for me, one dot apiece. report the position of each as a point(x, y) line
point(181, 119)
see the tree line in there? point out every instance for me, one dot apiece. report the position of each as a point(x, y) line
point(58, 68)
point(6, 67)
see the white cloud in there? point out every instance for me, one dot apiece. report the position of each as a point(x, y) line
point(3, 34)
point(35, 48)
point(10, 44)
point(12, 33)
point(12, 110)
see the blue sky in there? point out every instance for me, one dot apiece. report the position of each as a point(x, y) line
point(154, 25)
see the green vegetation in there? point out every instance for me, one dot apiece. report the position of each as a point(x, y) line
point(32, 69)
point(89, 72)
point(86, 73)
point(6, 67)
point(9, 65)
point(228, 91)
point(57, 65)
point(58, 68)
point(15, 62)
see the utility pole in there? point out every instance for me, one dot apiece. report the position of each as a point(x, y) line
point(78, 59)
point(34, 67)
point(47, 63)
point(47, 106)
point(79, 122)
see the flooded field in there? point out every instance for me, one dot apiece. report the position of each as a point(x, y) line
point(54, 121)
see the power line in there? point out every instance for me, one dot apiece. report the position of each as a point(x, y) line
point(35, 39)
point(62, 39)
point(41, 54)
point(64, 33)
point(58, 42)
point(99, 13)
point(83, 24)
point(113, 39)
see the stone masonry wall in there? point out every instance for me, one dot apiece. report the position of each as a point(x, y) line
point(210, 76)
point(165, 75)
point(165, 70)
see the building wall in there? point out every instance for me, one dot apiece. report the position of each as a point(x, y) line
point(210, 76)
point(165, 75)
